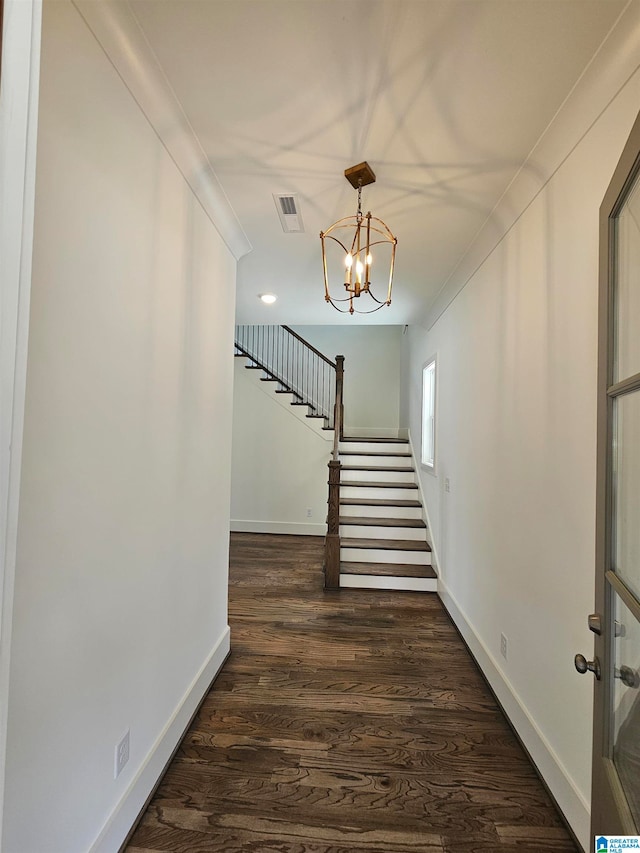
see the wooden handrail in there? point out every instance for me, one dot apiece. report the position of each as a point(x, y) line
point(308, 346)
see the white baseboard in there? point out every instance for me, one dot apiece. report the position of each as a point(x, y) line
point(123, 816)
point(294, 528)
point(569, 799)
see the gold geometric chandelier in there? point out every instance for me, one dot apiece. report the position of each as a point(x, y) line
point(348, 249)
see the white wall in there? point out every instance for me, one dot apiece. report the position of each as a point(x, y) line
point(18, 136)
point(516, 437)
point(120, 612)
point(279, 462)
point(371, 373)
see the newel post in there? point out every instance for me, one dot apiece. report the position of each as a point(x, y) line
point(332, 540)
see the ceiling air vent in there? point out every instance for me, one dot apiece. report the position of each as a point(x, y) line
point(289, 212)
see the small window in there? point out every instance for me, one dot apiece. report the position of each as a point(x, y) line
point(429, 415)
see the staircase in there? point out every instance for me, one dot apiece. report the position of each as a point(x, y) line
point(299, 370)
point(376, 536)
point(383, 537)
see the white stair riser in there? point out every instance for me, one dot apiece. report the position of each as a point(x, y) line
point(386, 461)
point(382, 555)
point(376, 476)
point(368, 511)
point(400, 494)
point(367, 531)
point(382, 582)
point(372, 447)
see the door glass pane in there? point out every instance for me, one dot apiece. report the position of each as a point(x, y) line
point(627, 287)
point(626, 705)
point(626, 491)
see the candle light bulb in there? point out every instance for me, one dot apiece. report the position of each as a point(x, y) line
point(348, 261)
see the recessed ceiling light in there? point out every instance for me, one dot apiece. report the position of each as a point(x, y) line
point(268, 298)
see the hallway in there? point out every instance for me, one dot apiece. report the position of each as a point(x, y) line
point(348, 721)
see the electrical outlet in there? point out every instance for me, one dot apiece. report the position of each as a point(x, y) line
point(309, 512)
point(503, 646)
point(447, 484)
point(122, 755)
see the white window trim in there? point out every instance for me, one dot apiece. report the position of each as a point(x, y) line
point(432, 365)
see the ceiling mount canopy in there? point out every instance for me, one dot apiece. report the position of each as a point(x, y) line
point(349, 247)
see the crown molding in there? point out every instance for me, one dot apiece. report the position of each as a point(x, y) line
point(610, 69)
point(118, 32)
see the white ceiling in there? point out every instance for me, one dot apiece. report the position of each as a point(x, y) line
point(444, 98)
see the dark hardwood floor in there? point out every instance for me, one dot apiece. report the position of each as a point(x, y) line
point(342, 722)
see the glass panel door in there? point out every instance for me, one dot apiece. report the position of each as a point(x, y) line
point(616, 623)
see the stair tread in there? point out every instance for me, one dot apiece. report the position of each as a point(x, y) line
point(388, 454)
point(402, 570)
point(386, 544)
point(377, 485)
point(378, 502)
point(376, 440)
point(382, 522)
point(398, 468)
